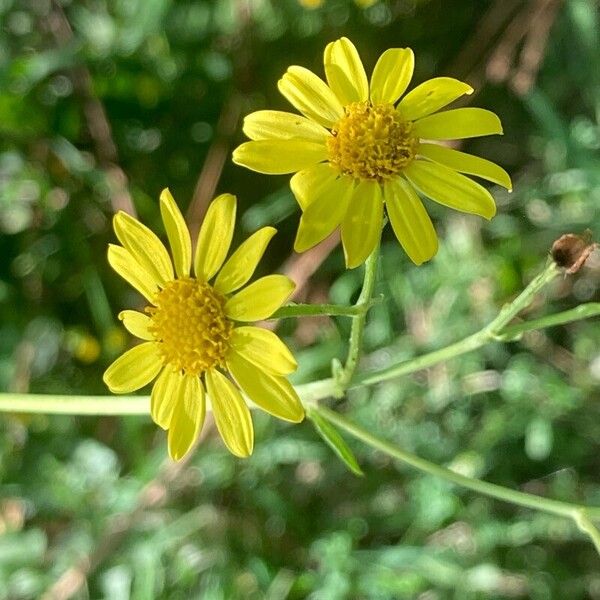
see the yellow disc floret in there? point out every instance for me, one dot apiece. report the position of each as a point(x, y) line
point(190, 326)
point(371, 142)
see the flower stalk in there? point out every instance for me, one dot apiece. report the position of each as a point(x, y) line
point(496, 330)
point(556, 507)
point(582, 516)
point(343, 377)
point(313, 392)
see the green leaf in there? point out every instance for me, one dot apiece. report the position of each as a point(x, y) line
point(335, 441)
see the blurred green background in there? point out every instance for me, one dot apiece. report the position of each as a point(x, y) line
point(105, 102)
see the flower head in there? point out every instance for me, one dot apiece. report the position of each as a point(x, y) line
point(364, 145)
point(195, 328)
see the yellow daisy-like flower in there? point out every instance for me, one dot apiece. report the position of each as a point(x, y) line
point(357, 149)
point(195, 332)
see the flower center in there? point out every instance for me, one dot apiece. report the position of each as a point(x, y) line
point(371, 142)
point(190, 325)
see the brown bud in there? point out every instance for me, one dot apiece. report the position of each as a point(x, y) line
point(570, 251)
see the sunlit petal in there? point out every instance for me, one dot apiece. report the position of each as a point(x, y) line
point(242, 263)
point(466, 163)
point(264, 349)
point(458, 124)
point(308, 185)
point(410, 220)
point(361, 227)
point(215, 236)
point(133, 369)
point(232, 416)
point(188, 417)
point(273, 394)
point(278, 125)
point(276, 157)
point(136, 323)
point(164, 396)
point(432, 95)
point(260, 299)
point(310, 95)
point(144, 246)
point(178, 234)
point(345, 72)
point(450, 188)
point(392, 74)
point(130, 270)
point(323, 215)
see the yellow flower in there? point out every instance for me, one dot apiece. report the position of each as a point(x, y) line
point(356, 150)
point(195, 332)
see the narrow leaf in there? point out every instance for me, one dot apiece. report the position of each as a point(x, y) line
point(335, 441)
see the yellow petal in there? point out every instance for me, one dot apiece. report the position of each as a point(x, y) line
point(144, 246)
point(188, 416)
point(361, 227)
point(241, 264)
point(131, 271)
point(410, 220)
point(430, 96)
point(345, 72)
point(276, 157)
point(178, 234)
point(278, 125)
point(308, 184)
point(466, 163)
point(164, 396)
point(323, 215)
point(273, 394)
point(215, 236)
point(264, 349)
point(260, 299)
point(232, 416)
point(450, 188)
point(136, 323)
point(392, 74)
point(133, 369)
point(458, 124)
point(311, 96)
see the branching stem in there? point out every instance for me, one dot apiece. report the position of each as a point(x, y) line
point(494, 331)
point(556, 507)
point(312, 393)
point(344, 376)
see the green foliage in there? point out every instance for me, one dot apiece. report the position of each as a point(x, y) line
point(291, 521)
point(335, 441)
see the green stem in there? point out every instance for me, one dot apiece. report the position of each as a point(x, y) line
point(344, 376)
point(583, 311)
point(556, 507)
point(314, 310)
point(492, 332)
point(56, 404)
point(586, 526)
point(523, 300)
point(424, 361)
point(311, 393)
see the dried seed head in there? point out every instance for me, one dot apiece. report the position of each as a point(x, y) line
point(570, 251)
